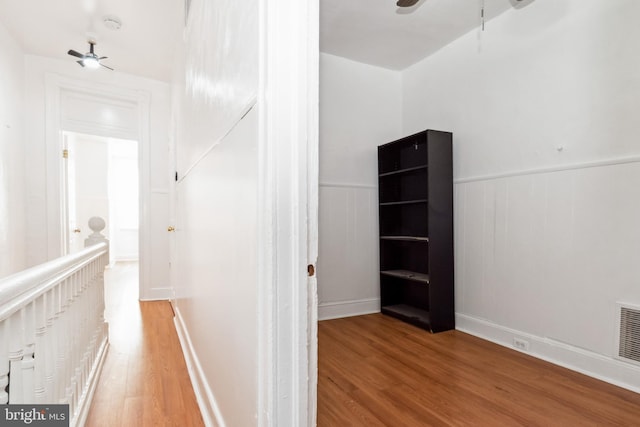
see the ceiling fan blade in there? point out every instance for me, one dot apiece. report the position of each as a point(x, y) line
point(517, 4)
point(102, 57)
point(406, 3)
point(107, 67)
point(76, 54)
point(81, 63)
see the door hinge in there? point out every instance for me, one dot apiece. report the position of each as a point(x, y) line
point(311, 270)
point(65, 154)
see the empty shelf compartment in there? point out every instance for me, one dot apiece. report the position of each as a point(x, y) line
point(408, 275)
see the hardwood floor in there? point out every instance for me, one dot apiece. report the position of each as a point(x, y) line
point(377, 371)
point(144, 381)
point(373, 371)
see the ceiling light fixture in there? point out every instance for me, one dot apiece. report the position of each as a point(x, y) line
point(91, 62)
point(89, 59)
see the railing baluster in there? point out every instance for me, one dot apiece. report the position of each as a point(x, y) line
point(60, 338)
point(65, 357)
point(4, 362)
point(79, 321)
point(16, 351)
point(40, 357)
point(51, 343)
point(29, 335)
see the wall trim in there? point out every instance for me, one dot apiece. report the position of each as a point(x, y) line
point(560, 168)
point(207, 403)
point(241, 115)
point(577, 359)
point(347, 185)
point(339, 309)
point(84, 402)
point(96, 128)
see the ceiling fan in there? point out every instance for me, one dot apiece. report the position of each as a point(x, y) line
point(515, 3)
point(89, 59)
point(406, 3)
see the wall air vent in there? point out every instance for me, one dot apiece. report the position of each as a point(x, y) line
point(628, 345)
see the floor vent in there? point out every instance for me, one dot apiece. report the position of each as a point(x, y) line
point(629, 336)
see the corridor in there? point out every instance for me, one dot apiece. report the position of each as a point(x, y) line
point(144, 381)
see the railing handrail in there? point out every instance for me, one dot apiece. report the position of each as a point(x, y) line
point(19, 289)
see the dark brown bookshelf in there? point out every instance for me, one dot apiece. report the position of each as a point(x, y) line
point(409, 314)
point(406, 238)
point(415, 188)
point(407, 170)
point(404, 202)
point(408, 275)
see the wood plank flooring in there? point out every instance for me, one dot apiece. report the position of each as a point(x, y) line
point(377, 371)
point(373, 371)
point(144, 381)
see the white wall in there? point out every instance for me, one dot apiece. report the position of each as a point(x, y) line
point(219, 74)
point(360, 108)
point(216, 237)
point(12, 168)
point(216, 261)
point(123, 200)
point(157, 182)
point(547, 239)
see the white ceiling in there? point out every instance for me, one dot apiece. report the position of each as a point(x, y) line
point(377, 32)
point(143, 46)
point(370, 31)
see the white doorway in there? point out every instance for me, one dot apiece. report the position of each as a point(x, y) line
point(111, 110)
point(102, 180)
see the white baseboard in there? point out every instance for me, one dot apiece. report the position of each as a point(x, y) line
point(157, 294)
point(336, 310)
point(209, 409)
point(84, 402)
point(593, 364)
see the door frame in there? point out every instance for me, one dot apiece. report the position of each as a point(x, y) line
point(288, 202)
point(57, 224)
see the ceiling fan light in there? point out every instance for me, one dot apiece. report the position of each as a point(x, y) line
point(90, 62)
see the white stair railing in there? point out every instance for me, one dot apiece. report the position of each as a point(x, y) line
point(53, 336)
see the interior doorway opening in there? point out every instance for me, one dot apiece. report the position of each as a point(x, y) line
point(102, 180)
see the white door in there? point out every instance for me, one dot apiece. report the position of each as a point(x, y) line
point(173, 220)
point(74, 240)
point(87, 188)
